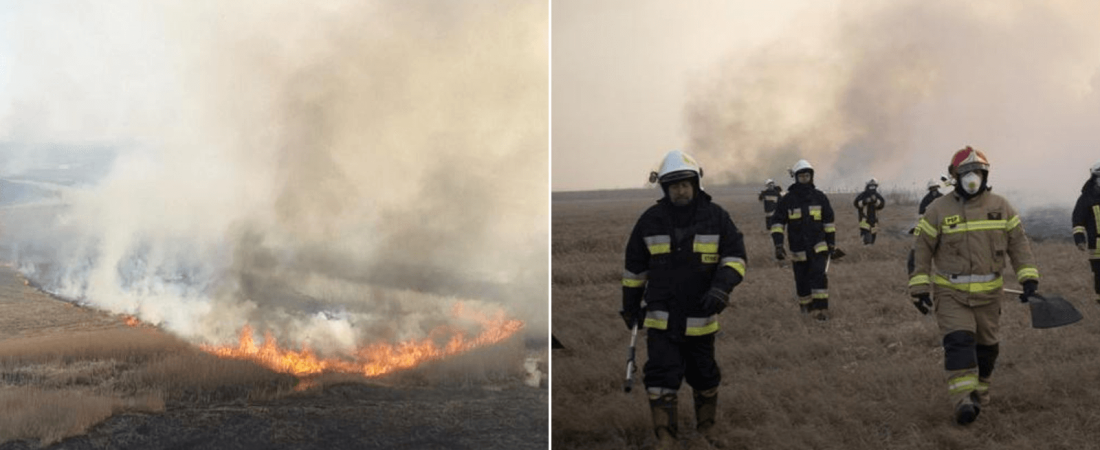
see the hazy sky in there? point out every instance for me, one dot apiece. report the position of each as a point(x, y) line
point(860, 88)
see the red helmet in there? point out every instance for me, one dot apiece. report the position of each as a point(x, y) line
point(966, 160)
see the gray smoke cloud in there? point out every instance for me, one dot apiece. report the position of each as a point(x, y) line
point(891, 90)
point(337, 173)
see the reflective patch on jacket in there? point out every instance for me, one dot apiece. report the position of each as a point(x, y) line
point(705, 243)
point(659, 244)
point(634, 280)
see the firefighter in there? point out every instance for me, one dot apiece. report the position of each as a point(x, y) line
point(684, 257)
point(868, 203)
point(960, 248)
point(770, 196)
point(808, 218)
point(933, 193)
point(1086, 221)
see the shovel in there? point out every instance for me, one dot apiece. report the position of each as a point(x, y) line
point(629, 383)
point(1050, 311)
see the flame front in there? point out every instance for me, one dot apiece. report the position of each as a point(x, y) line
point(375, 359)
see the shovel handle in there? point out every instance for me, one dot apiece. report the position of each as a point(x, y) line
point(1013, 291)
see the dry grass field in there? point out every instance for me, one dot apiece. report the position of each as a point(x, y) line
point(869, 378)
point(74, 377)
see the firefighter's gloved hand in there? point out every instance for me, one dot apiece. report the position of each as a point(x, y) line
point(630, 317)
point(1030, 286)
point(923, 302)
point(780, 254)
point(1082, 247)
point(714, 301)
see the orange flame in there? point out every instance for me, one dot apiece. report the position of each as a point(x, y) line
point(131, 320)
point(373, 360)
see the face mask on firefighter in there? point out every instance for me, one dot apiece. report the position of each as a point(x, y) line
point(971, 181)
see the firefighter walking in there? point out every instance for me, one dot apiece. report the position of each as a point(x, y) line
point(868, 203)
point(960, 250)
point(684, 257)
point(806, 215)
point(770, 196)
point(1086, 221)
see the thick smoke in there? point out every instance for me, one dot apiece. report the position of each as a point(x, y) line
point(892, 89)
point(336, 173)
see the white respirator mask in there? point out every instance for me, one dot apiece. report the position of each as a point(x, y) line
point(971, 182)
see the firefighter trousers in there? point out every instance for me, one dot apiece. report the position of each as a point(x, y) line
point(811, 282)
point(1095, 264)
point(672, 358)
point(970, 344)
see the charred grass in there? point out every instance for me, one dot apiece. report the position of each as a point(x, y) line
point(870, 377)
point(81, 381)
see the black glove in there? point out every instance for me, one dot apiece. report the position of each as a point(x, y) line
point(1030, 286)
point(923, 302)
point(633, 316)
point(832, 250)
point(780, 254)
point(714, 301)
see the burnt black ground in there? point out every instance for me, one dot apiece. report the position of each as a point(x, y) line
point(337, 417)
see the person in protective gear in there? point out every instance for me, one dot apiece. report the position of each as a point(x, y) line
point(807, 217)
point(868, 203)
point(1086, 224)
point(960, 251)
point(770, 196)
point(684, 257)
point(933, 193)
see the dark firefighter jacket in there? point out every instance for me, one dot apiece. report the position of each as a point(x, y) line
point(927, 200)
point(868, 203)
point(1086, 217)
point(808, 217)
point(672, 268)
point(770, 197)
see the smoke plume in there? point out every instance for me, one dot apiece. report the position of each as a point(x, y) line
point(891, 90)
point(334, 173)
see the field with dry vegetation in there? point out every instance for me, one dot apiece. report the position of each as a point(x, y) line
point(871, 377)
point(74, 377)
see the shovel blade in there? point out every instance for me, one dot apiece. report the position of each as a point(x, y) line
point(1052, 311)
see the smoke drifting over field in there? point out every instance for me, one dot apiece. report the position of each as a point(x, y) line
point(891, 90)
point(335, 173)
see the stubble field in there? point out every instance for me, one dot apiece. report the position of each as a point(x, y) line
point(871, 377)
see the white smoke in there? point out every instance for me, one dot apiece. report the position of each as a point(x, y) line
point(333, 173)
point(891, 89)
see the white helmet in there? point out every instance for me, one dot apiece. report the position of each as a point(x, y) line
point(677, 165)
point(801, 165)
point(1095, 169)
point(769, 183)
point(872, 182)
point(933, 184)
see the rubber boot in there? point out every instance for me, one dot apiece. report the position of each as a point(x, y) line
point(663, 409)
point(987, 360)
point(706, 410)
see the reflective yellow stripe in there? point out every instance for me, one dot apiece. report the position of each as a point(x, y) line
point(1096, 215)
point(1027, 272)
point(977, 225)
point(1079, 229)
point(777, 228)
point(864, 225)
point(657, 320)
point(634, 280)
point(794, 214)
point(699, 326)
point(962, 384)
point(659, 244)
point(705, 243)
point(805, 300)
point(918, 279)
point(1012, 223)
point(970, 287)
point(735, 263)
point(815, 212)
point(830, 228)
point(982, 386)
point(927, 228)
point(821, 247)
point(818, 294)
point(798, 256)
